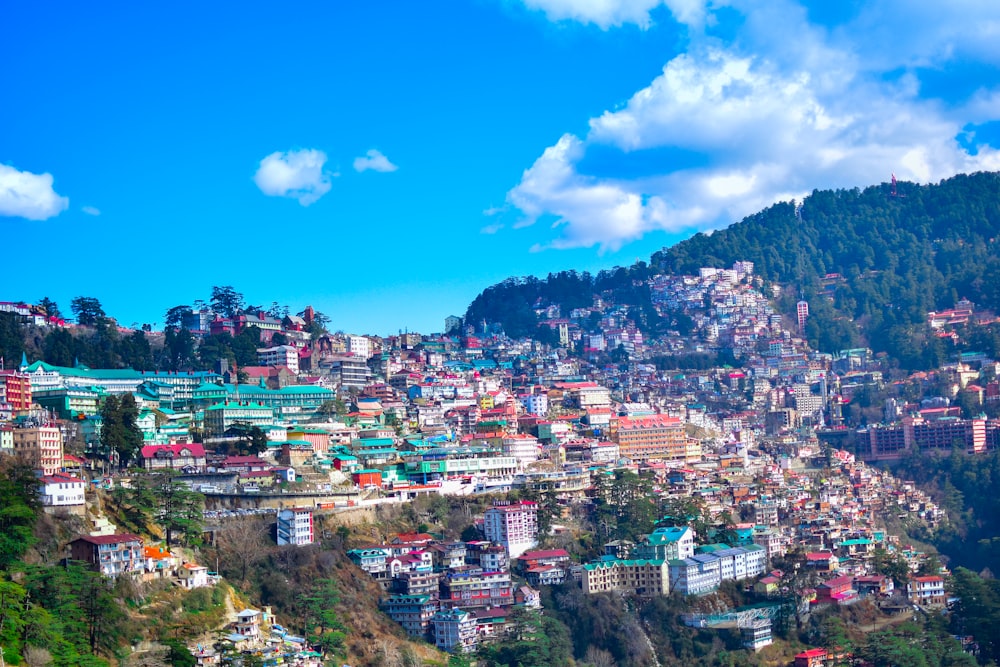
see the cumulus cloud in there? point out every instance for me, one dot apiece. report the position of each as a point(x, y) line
point(375, 161)
point(91, 210)
point(768, 121)
point(612, 13)
point(297, 174)
point(27, 195)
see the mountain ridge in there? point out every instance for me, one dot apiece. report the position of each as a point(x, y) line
point(871, 263)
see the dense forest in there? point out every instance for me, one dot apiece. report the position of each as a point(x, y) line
point(898, 257)
point(968, 489)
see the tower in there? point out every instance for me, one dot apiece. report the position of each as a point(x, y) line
point(802, 311)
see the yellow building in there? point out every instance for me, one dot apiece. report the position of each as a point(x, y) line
point(654, 437)
point(640, 577)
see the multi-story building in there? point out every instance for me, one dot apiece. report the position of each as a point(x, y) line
point(41, 446)
point(889, 442)
point(117, 380)
point(512, 524)
point(926, 590)
point(666, 544)
point(359, 346)
point(373, 560)
point(291, 401)
point(702, 573)
point(475, 587)
point(350, 371)
point(295, 526)
point(640, 577)
point(190, 456)
point(654, 437)
point(413, 612)
point(417, 582)
point(69, 402)
point(111, 555)
point(694, 576)
point(445, 463)
point(221, 416)
point(524, 448)
point(17, 389)
point(770, 540)
point(62, 490)
point(536, 404)
point(491, 557)
point(802, 314)
point(454, 630)
point(279, 355)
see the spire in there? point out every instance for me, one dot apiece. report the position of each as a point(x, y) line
point(24, 360)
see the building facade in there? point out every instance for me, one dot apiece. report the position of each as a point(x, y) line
point(512, 524)
point(295, 526)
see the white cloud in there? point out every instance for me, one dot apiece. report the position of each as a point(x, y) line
point(768, 118)
point(613, 13)
point(297, 174)
point(375, 161)
point(492, 228)
point(27, 195)
point(91, 210)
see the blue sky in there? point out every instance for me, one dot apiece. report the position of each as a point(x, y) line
point(386, 161)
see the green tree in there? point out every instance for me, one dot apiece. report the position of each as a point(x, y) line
point(226, 301)
point(49, 307)
point(245, 346)
point(12, 623)
point(251, 440)
point(11, 339)
point(625, 505)
point(320, 618)
point(180, 510)
point(535, 640)
point(178, 654)
point(87, 310)
point(119, 433)
point(19, 506)
point(178, 342)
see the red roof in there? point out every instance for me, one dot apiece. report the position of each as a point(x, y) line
point(196, 450)
point(812, 653)
point(60, 478)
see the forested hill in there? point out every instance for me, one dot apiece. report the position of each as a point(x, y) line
point(899, 256)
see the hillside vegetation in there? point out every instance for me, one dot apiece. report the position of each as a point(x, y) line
point(898, 257)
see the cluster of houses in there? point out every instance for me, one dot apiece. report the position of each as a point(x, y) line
point(475, 411)
point(116, 554)
point(458, 594)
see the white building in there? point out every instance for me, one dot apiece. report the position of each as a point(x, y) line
point(62, 490)
point(524, 448)
point(279, 355)
point(359, 346)
point(514, 525)
point(536, 404)
point(192, 576)
point(295, 526)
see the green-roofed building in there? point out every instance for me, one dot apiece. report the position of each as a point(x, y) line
point(219, 417)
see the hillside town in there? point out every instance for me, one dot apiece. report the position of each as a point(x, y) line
point(771, 454)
